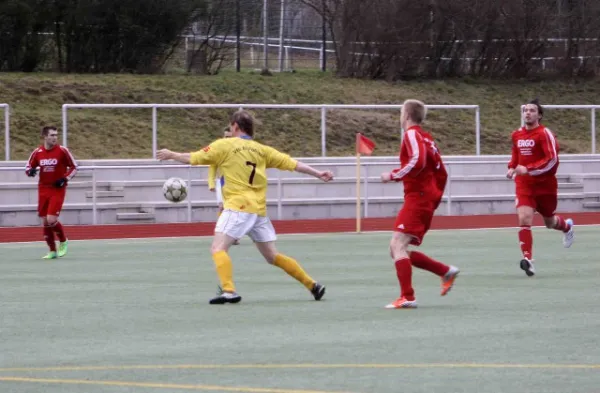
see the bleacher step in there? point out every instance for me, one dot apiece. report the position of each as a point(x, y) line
point(106, 194)
point(591, 205)
point(570, 185)
point(135, 216)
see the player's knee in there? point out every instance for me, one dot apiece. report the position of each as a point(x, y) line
point(216, 247)
point(549, 221)
point(51, 220)
point(398, 249)
point(525, 218)
point(269, 254)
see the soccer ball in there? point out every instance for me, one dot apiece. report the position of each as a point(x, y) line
point(175, 190)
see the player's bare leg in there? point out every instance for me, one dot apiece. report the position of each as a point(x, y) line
point(399, 253)
point(565, 226)
point(49, 238)
point(219, 250)
point(60, 234)
point(291, 267)
point(525, 214)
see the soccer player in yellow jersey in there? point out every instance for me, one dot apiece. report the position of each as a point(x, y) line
point(216, 184)
point(243, 163)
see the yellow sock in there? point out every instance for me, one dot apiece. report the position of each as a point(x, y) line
point(224, 270)
point(293, 268)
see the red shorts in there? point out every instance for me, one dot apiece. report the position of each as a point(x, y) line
point(50, 201)
point(541, 196)
point(544, 204)
point(414, 219)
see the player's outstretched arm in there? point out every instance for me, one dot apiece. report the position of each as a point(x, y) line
point(166, 154)
point(309, 170)
point(212, 174)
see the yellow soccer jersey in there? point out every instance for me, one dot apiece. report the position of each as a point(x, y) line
point(243, 163)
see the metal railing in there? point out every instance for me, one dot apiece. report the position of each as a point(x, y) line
point(6, 131)
point(361, 199)
point(366, 173)
point(592, 118)
point(322, 107)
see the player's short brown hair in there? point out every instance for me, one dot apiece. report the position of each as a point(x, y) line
point(244, 120)
point(415, 110)
point(540, 108)
point(47, 129)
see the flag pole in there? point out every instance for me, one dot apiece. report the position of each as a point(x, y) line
point(358, 213)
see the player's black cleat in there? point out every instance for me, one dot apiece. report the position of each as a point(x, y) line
point(527, 266)
point(318, 291)
point(225, 297)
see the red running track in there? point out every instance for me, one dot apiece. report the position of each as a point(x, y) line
point(86, 232)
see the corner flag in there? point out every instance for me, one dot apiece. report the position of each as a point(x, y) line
point(363, 146)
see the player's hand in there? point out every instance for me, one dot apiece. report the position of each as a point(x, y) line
point(31, 172)
point(164, 154)
point(520, 170)
point(386, 177)
point(211, 189)
point(326, 176)
point(511, 173)
point(60, 183)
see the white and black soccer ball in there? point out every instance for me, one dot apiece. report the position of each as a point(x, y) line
point(175, 190)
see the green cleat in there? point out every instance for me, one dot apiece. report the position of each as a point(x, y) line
point(51, 255)
point(62, 248)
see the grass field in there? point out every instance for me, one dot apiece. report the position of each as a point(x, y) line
point(132, 316)
point(36, 99)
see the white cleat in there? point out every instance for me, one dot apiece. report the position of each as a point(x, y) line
point(568, 237)
point(402, 302)
point(527, 265)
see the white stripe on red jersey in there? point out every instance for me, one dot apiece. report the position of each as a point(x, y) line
point(552, 148)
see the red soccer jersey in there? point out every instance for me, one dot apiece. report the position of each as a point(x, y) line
point(422, 169)
point(537, 150)
point(55, 164)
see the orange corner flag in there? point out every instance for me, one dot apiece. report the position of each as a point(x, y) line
point(364, 145)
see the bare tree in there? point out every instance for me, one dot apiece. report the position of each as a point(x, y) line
point(210, 46)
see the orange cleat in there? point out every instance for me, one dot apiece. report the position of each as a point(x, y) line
point(448, 280)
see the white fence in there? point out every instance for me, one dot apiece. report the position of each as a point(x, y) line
point(6, 131)
point(592, 108)
point(322, 107)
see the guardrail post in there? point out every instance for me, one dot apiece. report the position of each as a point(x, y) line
point(154, 131)
point(477, 132)
point(94, 209)
point(323, 131)
point(7, 133)
point(189, 196)
point(64, 124)
point(366, 196)
point(449, 191)
point(593, 130)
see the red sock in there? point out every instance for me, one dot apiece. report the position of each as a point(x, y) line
point(49, 237)
point(404, 273)
point(561, 225)
point(422, 261)
point(58, 228)
point(526, 241)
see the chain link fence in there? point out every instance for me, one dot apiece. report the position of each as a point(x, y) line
point(267, 35)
